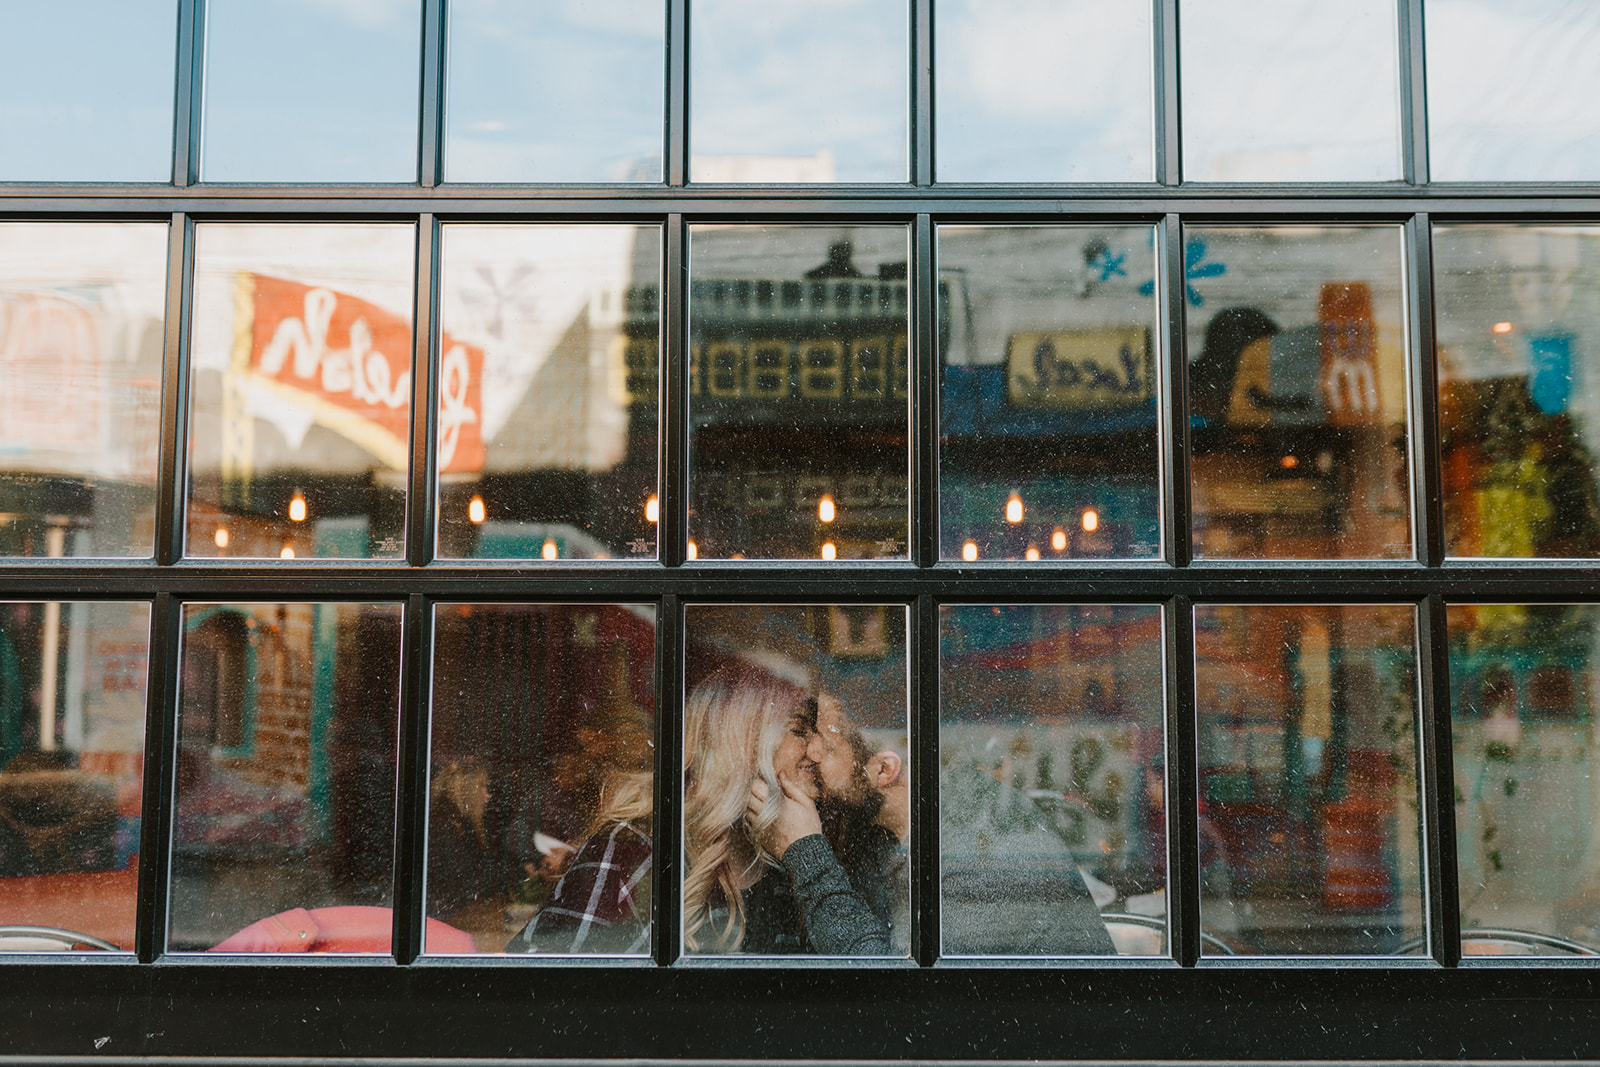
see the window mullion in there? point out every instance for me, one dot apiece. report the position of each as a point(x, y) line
point(924, 749)
point(421, 510)
point(925, 363)
point(160, 772)
point(1182, 784)
point(1413, 94)
point(1174, 380)
point(1426, 457)
point(677, 116)
point(170, 474)
point(1169, 170)
point(187, 92)
point(673, 470)
point(430, 131)
point(1436, 778)
point(922, 131)
point(667, 886)
point(411, 786)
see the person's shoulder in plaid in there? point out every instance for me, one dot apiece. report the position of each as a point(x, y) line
point(602, 904)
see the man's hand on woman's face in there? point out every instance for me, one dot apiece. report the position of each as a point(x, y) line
point(797, 814)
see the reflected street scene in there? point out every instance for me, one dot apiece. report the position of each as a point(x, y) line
point(798, 401)
point(548, 382)
point(541, 795)
point(72, 734)
point(284, 822)
point(81, 340)
point(1309, 832)
point(1298, 393)
point(1052, 781)
point(1522, 722)
point(797, 802)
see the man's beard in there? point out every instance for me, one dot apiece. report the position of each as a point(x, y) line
point(845, 816)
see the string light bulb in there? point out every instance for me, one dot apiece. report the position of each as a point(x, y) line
point(1014, 509)
point(1032, 554)
point(549, 550)
point(829, 551)
point(652, 509)
point(1091, 520)
point(475, 509)
point(1058, 540)
point(297, 508)
point(694, 550)
point(969, 551)
point(287, 553)
point(825, 509)
point(221, 537)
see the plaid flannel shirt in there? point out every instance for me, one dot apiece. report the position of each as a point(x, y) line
point(602, 904)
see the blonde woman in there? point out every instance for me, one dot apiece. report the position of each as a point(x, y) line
point(760, 877)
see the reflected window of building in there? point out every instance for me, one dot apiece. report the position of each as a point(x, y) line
point(88, 91)
point(1049, 399)
point(798, 400)
point(1521, 721)
point(1052, 781)
point(1296, 90)
point(1309, 832)
point(81, 319)
point(72, 721)
point(797, 779)
point(548, 392)
point(541, 797)
point(798, 91)
point(298, 92)
point(1044, 91)
point(1299, 393)
point(300, 391)
point(1512, 86)
point(283, 841)
point(549, 91)
point(1517, 308)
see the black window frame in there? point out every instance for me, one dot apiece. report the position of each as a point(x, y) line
point(149, 1004)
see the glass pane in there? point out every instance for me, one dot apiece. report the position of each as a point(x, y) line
point(1512, 86)
point(1298, 393)
point(86, 91)
point(797, 777)
point(72, 703)
point(1517, 309)
point(1053, 824)
point(1522, 735)
point(793, 91)
point(1044, 91)
point(1297, 90)
point(300, 391)
point(81, 313)
point(1048, 418)
point(797, 392)
point(303, 92)
point(555, 91)
point(547, 391)
point(1309, 829)
point(541, 802)
point(284, 826)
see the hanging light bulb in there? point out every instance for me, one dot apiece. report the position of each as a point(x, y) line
point(221, 537)
point(825, 508)
point(1091, 520)
point(1032, 553)
point(475, 510)
point(1058, 540)
point(549, 550)
point(1014, 509)
point(652, 509)
point(969, 551)
point(829, 551)
point(297, 508)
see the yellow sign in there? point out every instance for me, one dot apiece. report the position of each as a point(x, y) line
point(1079, 370)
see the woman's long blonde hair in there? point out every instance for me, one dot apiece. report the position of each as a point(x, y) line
point(734, 722)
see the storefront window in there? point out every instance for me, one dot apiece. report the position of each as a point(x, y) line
point(300, 395)
point(81, 311)
point(72, 721)
point(284, 822)
point(798, 396)
point(1049, 395)
point(548, 392)
point(1298, 393)
point(541, 797)
point(1052, 781)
